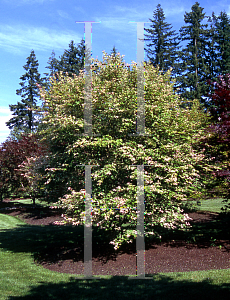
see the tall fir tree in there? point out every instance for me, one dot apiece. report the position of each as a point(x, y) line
point(219, 51)
point(72, 61)
point(114, 51)
point(25, 113)
point(53, 65)
point(213, 54)
point(222, 38)
point(195, 66)
point(211, 58)
point(163, 50)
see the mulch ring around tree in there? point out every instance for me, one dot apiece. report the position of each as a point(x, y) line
point(208, 249)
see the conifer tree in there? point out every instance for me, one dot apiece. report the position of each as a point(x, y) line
point(222, 37)
point(164, 46)
point(53, 65)
point(72, 61)
point(25, 113)
point(218, 54)
point(213, 55)
point(211, 58)
point(194, 67)
point(114, 51)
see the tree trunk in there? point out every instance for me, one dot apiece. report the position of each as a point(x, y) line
point(33, 198)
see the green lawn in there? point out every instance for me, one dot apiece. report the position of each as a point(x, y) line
point(21, 278)
point(212, 205)
point(29, 202)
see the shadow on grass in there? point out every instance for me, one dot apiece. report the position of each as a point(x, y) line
point(53, 243)
point(28, 210)
point(161, 287)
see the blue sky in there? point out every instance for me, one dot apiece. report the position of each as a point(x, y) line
point(46, 25)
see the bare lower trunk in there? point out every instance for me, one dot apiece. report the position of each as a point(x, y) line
point(33, 198)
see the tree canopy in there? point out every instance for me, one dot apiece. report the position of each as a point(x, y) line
point(12, 153)
point(172, 164)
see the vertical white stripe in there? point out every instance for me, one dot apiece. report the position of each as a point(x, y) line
point(140, 242)
point(88, 132)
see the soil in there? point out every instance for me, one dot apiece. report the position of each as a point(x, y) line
point(167, 256)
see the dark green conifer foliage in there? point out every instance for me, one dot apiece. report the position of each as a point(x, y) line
point(25, 113)
point(211, 57)
point(222, 37)
point(194, 67)
point(72, 61)
point(218, 57)
point(114, 51)
point(212, 53)
point(163, 50)
point(53, 65)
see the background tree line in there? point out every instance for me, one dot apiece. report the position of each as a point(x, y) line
point(198, 55)
point(200, 52)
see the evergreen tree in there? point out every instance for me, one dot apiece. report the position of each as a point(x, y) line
point(114, 51)
point(219, 52)
point(53, 65)
point(195, 66)
point(212, 58)
point(72, 61)
point(164, 43)
point(222, 37)
point(26, 116)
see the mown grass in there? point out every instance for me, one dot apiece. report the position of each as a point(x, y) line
point(210, 205)
point(29, 201)
point(22, 278)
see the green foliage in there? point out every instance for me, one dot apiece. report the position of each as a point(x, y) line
point(72, 60)
point(222, 39)
point(114, 51)
point(194, 69)
point(53, 64)
point(163, 49)
point(167, 147)
point(218, 49)
point(26, 115)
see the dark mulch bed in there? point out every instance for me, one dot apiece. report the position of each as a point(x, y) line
point(171, 255)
